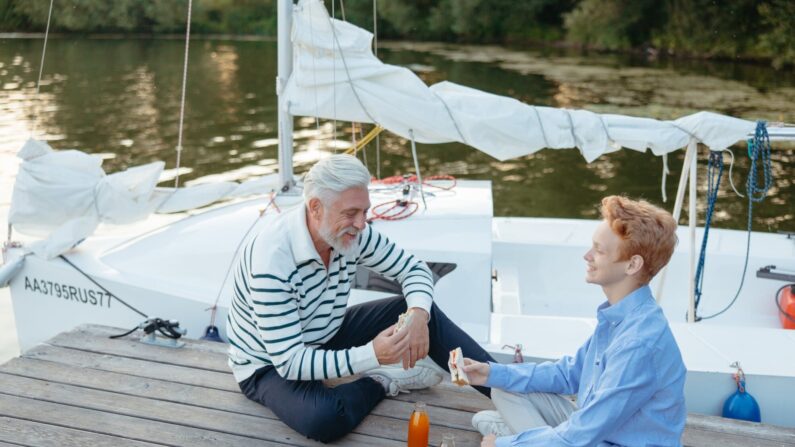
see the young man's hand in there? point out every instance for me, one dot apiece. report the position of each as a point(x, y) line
point(390, 346)
point(489, 441)
point(477, 372)
point(418, 344)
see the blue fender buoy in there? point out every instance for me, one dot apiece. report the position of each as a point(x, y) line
point(211, 334)
point(741, 405)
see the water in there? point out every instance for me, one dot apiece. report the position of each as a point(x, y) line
point(120, 99)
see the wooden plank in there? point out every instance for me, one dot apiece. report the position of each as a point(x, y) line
point(743, 428)
point(204, 364)
point(370, 431)
point(459, 401)
point(192, 395)
point(465, 401)
point(699, 438)
point(30, 433)
point(119, 425)
point(135, 367)
point(94, 339)
point(144, 429)
point(196, 354)
point(704, 430)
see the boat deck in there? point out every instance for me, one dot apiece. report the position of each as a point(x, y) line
point(82, 388)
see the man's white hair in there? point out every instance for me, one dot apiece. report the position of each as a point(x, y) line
point(332, 175)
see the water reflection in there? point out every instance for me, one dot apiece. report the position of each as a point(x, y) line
point(120, 99)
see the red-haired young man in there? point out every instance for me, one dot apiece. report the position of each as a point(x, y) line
point(628, 376)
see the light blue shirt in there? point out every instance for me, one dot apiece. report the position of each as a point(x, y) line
point(629, 379)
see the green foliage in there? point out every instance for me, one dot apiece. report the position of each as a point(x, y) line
point(614, 24)
point(740, 28)
point(150, 16)
point(710, 28)
point(777, 38)
point(10, 20)
point(478, 21)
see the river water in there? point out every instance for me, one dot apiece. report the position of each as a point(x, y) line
point(119, 98)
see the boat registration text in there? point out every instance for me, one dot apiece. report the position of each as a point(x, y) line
point(94, 297)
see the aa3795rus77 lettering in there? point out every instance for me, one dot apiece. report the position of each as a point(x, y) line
point(94, 297)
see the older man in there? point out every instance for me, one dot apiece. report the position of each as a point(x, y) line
point(629, 376)
point(289, 326)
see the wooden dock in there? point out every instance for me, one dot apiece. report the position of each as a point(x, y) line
point(84, 389)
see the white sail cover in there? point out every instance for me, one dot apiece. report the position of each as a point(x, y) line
point(336, 76)
point(64, 195)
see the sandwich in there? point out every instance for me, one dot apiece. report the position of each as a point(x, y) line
point(456, 364)
point(403, 320)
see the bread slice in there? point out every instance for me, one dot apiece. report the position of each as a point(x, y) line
point(456, 365)
point(403, 320)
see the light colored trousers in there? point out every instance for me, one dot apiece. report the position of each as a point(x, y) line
point(525, 411)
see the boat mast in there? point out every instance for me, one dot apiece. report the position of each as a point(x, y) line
point(284, 16)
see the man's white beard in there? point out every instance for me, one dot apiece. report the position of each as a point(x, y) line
point(337, 242)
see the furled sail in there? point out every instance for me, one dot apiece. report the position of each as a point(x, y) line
point(336, 76)
point(64, 195)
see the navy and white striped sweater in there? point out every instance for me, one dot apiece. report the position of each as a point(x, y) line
point(286, 304)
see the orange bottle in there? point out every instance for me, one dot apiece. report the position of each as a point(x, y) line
point(419, 426)
point(785, 299)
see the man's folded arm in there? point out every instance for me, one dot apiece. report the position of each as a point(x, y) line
point(275, 311)
point(381, 255)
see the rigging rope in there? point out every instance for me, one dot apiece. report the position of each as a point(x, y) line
point(431, 181)
point(333, 72)
point(417, 167)
point(110, 295)
point(41, 70)
point(35, 118)
point(314, 69)
point(404, 207)
point(214, 308)
point(375, 53)
point(665, 173)
point(758, 151)
point(365, 140)
point(714, 164)
point(182, 101)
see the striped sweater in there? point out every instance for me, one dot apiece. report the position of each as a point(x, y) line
point(286, 304)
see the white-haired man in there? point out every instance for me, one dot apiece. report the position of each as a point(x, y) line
point(289, 326)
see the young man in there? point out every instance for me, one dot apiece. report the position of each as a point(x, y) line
point(628, 377)
point(289, 326)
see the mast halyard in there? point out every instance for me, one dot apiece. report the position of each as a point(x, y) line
point(284, 14)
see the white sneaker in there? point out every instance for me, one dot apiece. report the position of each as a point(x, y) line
point(489, 422)
point(396, 379)
point(428, 362)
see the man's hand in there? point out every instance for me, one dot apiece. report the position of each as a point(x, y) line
point(489, 441)
point(418, 334)
point(477, 372)
point(390, 346)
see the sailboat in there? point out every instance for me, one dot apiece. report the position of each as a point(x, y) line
point(111, 251)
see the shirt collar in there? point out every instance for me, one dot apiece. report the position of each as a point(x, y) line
point(617, 312)
point(300, 240)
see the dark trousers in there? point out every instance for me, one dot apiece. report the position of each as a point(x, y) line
point(326, 414)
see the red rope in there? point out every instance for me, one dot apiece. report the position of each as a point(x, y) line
point(398, 179)
point(404, 210)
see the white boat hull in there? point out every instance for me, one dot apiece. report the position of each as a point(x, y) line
point(538, 296)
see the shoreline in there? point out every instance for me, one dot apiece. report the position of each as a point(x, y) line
point(648, 52)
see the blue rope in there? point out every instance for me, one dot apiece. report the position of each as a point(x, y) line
point(714, 174)
point(758, 151)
